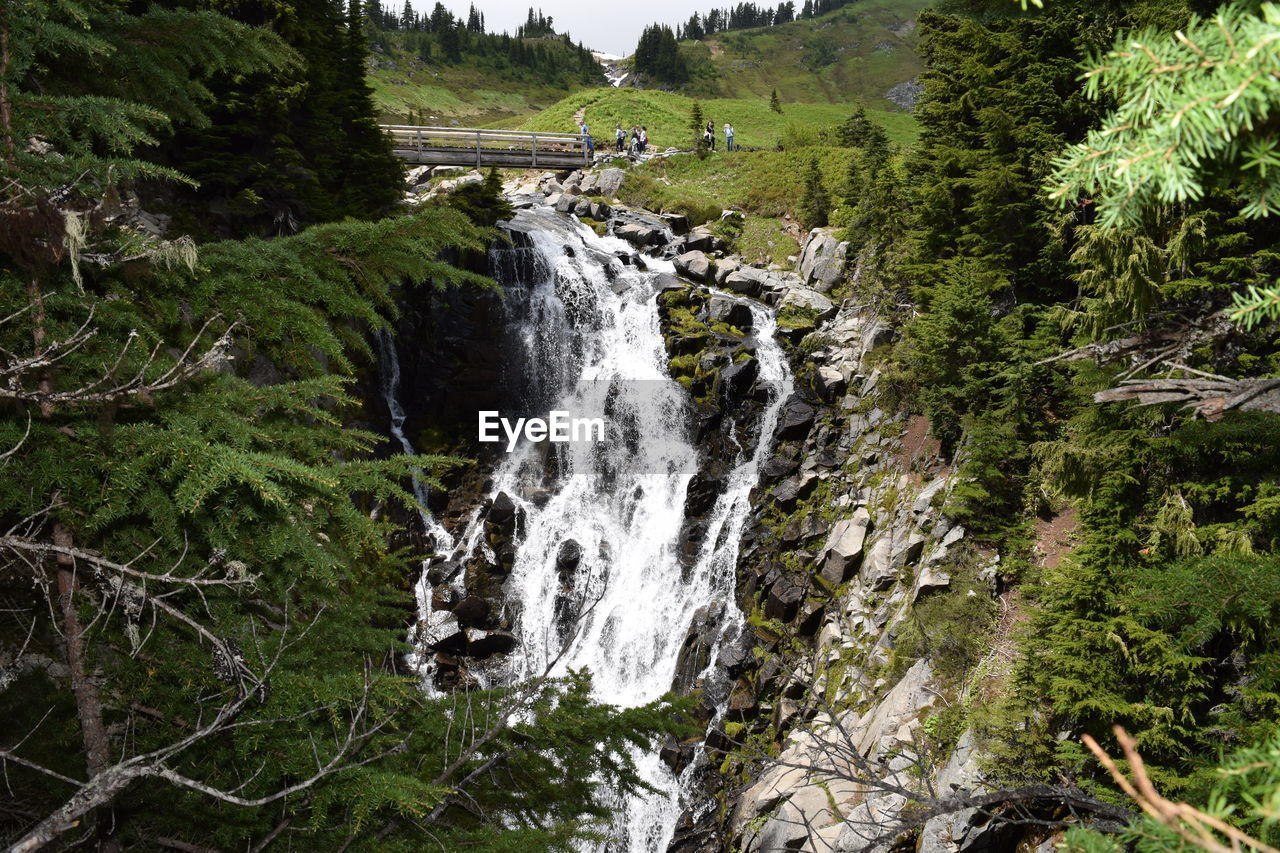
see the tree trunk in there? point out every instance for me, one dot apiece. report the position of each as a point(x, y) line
point(97, 745)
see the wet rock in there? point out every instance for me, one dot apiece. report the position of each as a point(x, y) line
point(568, 557)
point(731, 311)
point(694, 265)
point(695, 652)
point(566, 203)
point(444, 598)
point(483, 644)
point(471, 612)
point(502, 513)
point(443, 572)
point(639, 235)
point(843, 551)
point(738, 379)
point(704, 488)
point(795, 420)
point(677, 754)
point(598, 211)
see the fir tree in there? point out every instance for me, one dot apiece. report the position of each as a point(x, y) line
point(815, 205)
point(698, 129)
point(774, 103)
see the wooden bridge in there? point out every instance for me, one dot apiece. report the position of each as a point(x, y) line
point(465, 146)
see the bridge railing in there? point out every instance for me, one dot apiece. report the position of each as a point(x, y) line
point(413, 138)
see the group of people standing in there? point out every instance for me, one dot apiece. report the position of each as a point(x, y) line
point(709, 137)
point(636, 142)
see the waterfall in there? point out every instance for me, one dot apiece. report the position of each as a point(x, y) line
point(437, 535)
point(587, 340)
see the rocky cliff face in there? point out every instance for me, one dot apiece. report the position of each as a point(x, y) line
point(832, 737)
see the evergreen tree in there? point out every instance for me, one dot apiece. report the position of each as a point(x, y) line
point(774, 103)
point(698, 129)
point(815, 205)
point(285, 150)
point(658, 55)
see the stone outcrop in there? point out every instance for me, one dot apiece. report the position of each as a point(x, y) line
point(822, 260)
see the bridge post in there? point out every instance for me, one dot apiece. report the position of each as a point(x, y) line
point(535, 150)
point(477, 149)
point(418, 136)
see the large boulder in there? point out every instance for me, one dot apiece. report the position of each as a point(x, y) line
point(843, 551)
point(694, 265)
point(795, 420)
point(822, 260)
point(748, 281)
point(726, 267)
point(731, 311)
point(639, 235)
point(609, 181)
point(806, 299)
point(878, 569)
point(739, 378)
point(699, 239)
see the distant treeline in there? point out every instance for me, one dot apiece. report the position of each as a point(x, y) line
point(747, 15)
point(442, 38)
point(657, 55)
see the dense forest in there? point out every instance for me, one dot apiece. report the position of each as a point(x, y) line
point(442, 38)
point(1060, 273)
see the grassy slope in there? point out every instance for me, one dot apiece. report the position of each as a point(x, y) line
point(765, 185)
point(667, 117)
point(452, 94)
point(855, 53)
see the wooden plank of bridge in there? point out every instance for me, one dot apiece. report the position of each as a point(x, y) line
point(432, 145)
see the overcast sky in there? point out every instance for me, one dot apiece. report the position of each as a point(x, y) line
point(612, 26)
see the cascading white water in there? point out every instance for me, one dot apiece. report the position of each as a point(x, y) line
point(441, 540)
point(589, 331)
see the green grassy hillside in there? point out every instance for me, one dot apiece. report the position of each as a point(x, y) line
point(856, 53)
point(666, 115)
point(468, 93)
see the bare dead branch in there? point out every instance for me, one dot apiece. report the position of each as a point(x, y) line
point(1208, 395)
point(1191, 824)
point(107, 388)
